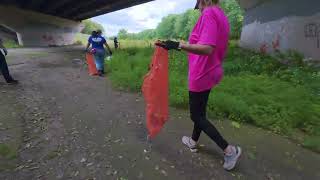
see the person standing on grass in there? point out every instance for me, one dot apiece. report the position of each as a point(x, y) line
point(3, 65)
point(116, 43)
point(98, 42)
point(207, 48)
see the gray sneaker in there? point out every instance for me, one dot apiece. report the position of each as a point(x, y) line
point(191, 144)
point(230, 161)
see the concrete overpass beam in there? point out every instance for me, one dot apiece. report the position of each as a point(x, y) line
point(281, 25)
point(36, 29)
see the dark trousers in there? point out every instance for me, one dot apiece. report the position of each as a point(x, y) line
point(4, 68)
point(198, 105)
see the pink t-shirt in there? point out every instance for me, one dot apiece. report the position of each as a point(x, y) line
point(212, 28)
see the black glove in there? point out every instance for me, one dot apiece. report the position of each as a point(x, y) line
point(110, 53)
point(169, 45)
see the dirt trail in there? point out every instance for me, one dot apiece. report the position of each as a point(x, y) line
point(65, 124)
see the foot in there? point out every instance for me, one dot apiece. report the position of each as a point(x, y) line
point(231, 160)
point(13, 82)
point(100, 73)
point(190, 143)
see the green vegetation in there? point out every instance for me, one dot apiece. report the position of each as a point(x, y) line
point(90, 26)
point(8, 157)
point(81, 39)
point(11, 44)
point(7, 152)
point(281, 96)
point(179, 26)
point(278, 93)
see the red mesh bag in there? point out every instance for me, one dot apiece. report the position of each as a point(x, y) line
point(91, 64)
point(155, 90)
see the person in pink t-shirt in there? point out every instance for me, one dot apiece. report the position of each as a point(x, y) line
point(207, 47)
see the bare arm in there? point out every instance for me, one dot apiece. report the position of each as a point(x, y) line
point(197, 48)
point(107, 46)
point(88, 45)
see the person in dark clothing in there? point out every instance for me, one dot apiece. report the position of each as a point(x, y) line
point(116, 43)
point(3, 65)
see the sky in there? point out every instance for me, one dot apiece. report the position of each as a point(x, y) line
point(141, 17)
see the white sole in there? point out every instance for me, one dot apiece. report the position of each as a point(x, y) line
point(193, 150)
point(237, 157)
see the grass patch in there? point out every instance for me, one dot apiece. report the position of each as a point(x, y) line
point(7, 152)
point(125, 44)
point(312, 142)
point(277, 93)
point(11, 44)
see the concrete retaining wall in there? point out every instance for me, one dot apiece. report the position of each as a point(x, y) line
point(36, 29)
point(281, 25)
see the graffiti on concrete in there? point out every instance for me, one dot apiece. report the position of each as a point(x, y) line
point(264, 48)
point(276, 43)
point(312, 30)
point(273, 46)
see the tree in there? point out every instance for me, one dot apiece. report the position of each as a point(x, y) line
point(179, 26)
point(147, 34)
point(123, 34)
point(90, 26)
point(235, 16)
point(166, 27)
point(185, 23)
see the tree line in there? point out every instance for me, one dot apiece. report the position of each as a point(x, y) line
point(90, 26)
point(179, 26)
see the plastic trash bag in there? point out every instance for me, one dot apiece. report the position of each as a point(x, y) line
point(91, 64)
point(155, 90)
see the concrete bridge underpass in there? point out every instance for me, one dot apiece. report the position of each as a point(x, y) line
point(269, 25)
point(281, 25)
point(54, 22)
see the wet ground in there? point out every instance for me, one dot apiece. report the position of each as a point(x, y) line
point(60, 123)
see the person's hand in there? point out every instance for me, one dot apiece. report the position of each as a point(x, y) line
point(169, 45)
point(110, 53)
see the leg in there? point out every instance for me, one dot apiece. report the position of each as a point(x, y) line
point(196, 133)
point(99, 56)
point(97, 59)
point(198, 104)
point(4, 68)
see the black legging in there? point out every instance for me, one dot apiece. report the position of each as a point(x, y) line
point(198, 104)
point(4, 68)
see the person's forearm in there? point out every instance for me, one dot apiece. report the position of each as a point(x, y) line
point(88, 45)
point(197, 48)
point(109, 49)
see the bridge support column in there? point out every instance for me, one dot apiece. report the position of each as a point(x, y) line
point(36, 29)
point(281, 25)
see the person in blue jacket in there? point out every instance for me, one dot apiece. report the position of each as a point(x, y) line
point(97, 41)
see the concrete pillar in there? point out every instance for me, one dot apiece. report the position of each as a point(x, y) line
point(281, 25)
point(36, 29)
